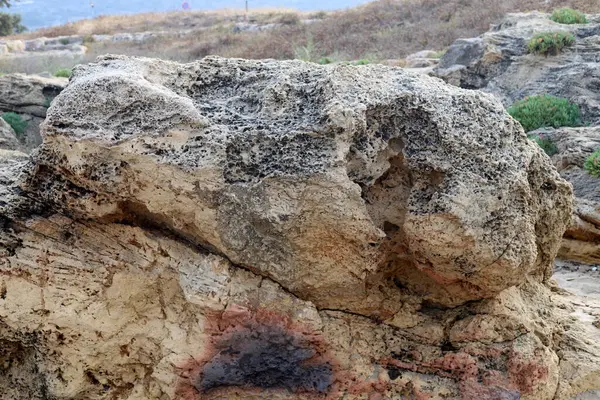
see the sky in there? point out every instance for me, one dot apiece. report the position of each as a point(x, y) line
point(42, 13)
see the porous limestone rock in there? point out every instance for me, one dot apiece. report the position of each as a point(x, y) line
point(325, 180)
point(261, 229)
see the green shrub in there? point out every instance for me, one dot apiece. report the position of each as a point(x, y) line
point(326, 60)
point(568, 16)
point(545, 111)
point(439, 54)
point(550, 42)
point(592, 164)
point(64, 41)
point(546, 144)
point(63, 73)
point(16, 122)
point(10, 24)
point(363, 61)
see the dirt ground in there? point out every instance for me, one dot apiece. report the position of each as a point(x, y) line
point(579, 279)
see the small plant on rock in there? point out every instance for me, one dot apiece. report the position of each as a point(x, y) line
point(64, 41)
point(550, 43)
point(592, 164)
point(546, 144)
point(439, 54)
point(568, 16)
point(16, 122)
point(326, 60)
point(63, 73)
point(545, 111)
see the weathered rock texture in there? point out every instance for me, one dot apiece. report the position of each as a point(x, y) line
point(582, 238)
point(260, 229)
point(8, 137)
point(498, 63)
point(30, 96)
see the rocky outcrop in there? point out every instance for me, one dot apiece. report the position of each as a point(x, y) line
point(262, 229)
point(8, 138)
point(30, 96)
point(498, 63)
point(574, 145)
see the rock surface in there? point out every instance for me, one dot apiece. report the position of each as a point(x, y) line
point(498, 63)
point(260, 229)
point(574, 145)
point(8, 137)
point(30, 96)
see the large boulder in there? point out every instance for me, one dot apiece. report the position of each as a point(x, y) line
point(322, 179)
point(261, 229)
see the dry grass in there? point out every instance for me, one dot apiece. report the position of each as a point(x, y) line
point(384, 29)
point(167, 21)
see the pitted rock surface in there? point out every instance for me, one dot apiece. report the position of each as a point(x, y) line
point(295, 171)
point(190, 231)
point(501, 66)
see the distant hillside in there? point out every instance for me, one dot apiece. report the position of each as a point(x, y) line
point(43, 13)
point(385, 29)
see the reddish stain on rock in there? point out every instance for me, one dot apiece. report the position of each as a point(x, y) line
point(516, 375)
point(256, 352)
point(525, 373)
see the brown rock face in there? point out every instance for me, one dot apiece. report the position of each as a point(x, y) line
point(260, 229)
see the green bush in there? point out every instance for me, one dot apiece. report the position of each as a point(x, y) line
point(550, 42)
point(10, 24)
point(545, 111)
point(16, 122)
point(568, 16)
point(439, 54)
point(63, 73)
point(64, 41)
point(546, 144)
point(326, 60)
point(592, 164)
